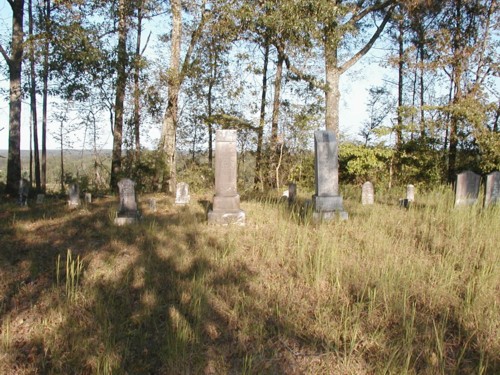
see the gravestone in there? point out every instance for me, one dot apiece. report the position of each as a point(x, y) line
point(467, 188)
point(326, 202)
point(127, 211)
point(410, 193)
point(367, 193)
point(74, 195)
point(40, 198)
point(88, 198)
point(492, 189)
point(226, 204)
point(24, 190)
point(292, 193)
point(152, 204)
point(182, 193)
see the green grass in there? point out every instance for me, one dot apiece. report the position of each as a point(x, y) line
point(390, 291)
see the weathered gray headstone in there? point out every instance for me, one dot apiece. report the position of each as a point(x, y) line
point(24, 190)
point(367, 193)
point(327, 202)
point(40, 198)
point(410, 193)
point(492, 189)
point(467, 188)
point(127, 211)
point(182, 193)
point(88, 198)
point(74, 195)
point(292, 193)
point(152, 204)
point(226, 205)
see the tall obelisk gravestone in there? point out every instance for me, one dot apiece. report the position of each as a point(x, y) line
point(226, 206)
point(327, 202)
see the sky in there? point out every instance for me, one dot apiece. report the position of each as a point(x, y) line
point(354, 93)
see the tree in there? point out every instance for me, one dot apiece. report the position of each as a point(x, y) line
point(14, 64)
point(166, 168)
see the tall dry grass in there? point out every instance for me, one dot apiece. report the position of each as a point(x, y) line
point(390, 291)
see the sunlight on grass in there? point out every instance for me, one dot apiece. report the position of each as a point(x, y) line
point(391, 291)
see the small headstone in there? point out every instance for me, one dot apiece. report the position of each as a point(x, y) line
point(492, 189)
point(40, 198)
point(292, 193)
point(467, 188)
point(226, 205)
point(404, 203)
point(327, 202)
point(410, 193)
point(24, 190)
point(182, 193)
point(152, 204)
point(74, 195)
point(367, 193)
point(127, 211)
point(88, 198)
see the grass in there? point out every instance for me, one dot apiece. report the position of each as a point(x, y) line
point(390, 291)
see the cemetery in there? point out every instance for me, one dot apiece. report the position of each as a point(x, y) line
point(249, 187)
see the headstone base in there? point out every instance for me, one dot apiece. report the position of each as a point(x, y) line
point(126, 219)
point(327, 208)
point(220, 217)
point(73, 204)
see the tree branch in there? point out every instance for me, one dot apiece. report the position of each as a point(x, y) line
point(195, 36)
point(5, 55)
point(300, 74)
point(368, 45)
point(355, 18)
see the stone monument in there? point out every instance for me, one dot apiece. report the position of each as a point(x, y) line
point(182, 193)
point(226, 205)
point(367, 194)
point(410, 193)
point(326, 202)
point(467, 188)
point(127, 211)
point(74, 195)
point(152, 204)
point(88, 198)
point(292, 193)
point(492, 189)
point(24, 190)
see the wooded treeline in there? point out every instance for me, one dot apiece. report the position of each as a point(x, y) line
point(271, 69)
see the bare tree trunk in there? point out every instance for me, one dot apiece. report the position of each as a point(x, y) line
point(168, 136)
point(33, 104)
point(211, 83)
point(14, 63)
point(399, 127)
point(137, 91)
point(274, 153)
point(121, 82)
point(45, 94)
point(332, 93)
point(61, 145)
point(260, 132)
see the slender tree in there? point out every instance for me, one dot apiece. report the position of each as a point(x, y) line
point(14, 64)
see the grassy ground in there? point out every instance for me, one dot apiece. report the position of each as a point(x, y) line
point(390, 291)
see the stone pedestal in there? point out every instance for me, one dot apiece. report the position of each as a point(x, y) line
point(410, 193)
point(182, 196)
point(327, 202)
point(74, 196)
point(226, 205)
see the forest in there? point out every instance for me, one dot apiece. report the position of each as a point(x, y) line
point(270, 69)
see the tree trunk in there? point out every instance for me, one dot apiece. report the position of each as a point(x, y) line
point(274, 152)
point(260, 131)
point(15, 65)
point(399, 127)
point(33, 102)
point(45, 94)
point(167, 168)
point(332, 93)
point(137, 91)
point(211, 83)
point(121, 82)
point(61, 145)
